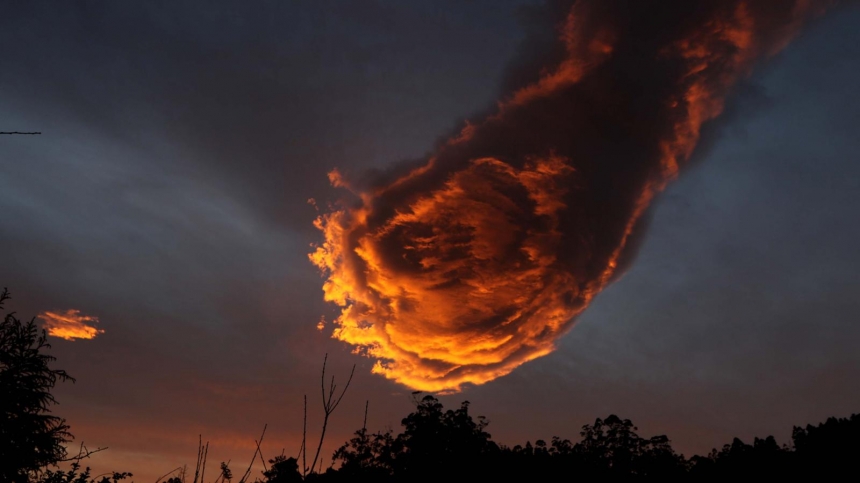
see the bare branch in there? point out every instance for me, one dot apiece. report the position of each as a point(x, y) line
point(304, 449)
point(205, 454)
point(199, 457)
point(260, 451)
point(330, 403)
point(253, 458)
point(363, 426)
point(83, 453)
point(339, 398)
point(322, 379)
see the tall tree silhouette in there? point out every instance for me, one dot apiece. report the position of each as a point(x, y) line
point(432, 443)
point(432, 435)
point(30, 437)
point(828, 449)
point(611, 445)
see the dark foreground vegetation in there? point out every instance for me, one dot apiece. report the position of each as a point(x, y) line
point(435, 444)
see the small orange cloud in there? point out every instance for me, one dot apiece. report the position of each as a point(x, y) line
point(70, 325)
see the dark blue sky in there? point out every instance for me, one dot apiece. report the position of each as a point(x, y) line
point(168, 196)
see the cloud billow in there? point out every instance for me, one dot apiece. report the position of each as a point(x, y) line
point(460, 268)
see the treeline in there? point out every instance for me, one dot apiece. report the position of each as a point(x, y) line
point(436, 444)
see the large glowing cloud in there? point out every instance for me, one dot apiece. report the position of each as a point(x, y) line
point(459, 269)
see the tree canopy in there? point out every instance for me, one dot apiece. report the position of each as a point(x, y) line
point(434, 444)
point(30, 436)
point(32, 439)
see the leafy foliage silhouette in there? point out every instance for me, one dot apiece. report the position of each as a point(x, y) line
point(435, 443)
point(31, 438)
point(75, 475)
point(431, 436)
point(283, 470)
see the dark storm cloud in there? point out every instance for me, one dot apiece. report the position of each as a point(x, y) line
point(459, 268)
point(738, 309)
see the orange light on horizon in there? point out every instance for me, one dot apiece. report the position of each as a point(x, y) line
point(70, 325)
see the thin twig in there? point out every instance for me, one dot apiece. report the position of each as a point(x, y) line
point(83, 453)
point(261, 454)
point(205, 454)
point(304, 450)
point(199, 456)
point(330, 403)
point(253, 458)
point(21, 133)
point(364, 426)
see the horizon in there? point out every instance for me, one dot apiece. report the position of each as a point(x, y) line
point(160, 227)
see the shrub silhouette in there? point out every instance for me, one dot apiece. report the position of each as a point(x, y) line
point(434, 444)
point(31, 438)
point(438, 443)
point(829, 449)
point(612, 446)
point(283, 470)
point(433, 441)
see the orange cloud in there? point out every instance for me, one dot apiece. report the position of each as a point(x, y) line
point(70, 325)
point(460, 269)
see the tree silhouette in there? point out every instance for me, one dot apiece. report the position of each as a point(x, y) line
point(368, 455)
point(30, 437)
point(432, 435)
point(434, 444)
point(283, 470)
point(433, 441)
point(828, 449)
point(75, 475)
point(612, 446)
point(762, 459)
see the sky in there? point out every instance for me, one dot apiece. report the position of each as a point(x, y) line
point(168, 196)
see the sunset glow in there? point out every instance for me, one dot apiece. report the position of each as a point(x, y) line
point(399, 241)
point(70, 325)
